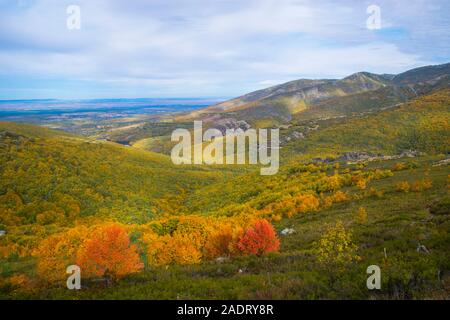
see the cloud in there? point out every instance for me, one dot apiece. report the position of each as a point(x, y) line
point(206, 48)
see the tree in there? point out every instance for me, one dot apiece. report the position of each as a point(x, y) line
point(57, 252)
point(108, 252)
point(258, 239)
point(176, 249)
point(220, 242)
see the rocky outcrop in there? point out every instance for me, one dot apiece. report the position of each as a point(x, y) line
point(287, 231)
point(357, 156)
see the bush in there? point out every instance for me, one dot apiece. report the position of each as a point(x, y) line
point(259, 239)
point(336, 247)
point(361, 216)
point(176, 249)
point(402, 186)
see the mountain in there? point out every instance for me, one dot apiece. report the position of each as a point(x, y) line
point(306, 99)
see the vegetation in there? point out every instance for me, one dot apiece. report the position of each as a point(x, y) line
point(420, 125)
point(166, 232)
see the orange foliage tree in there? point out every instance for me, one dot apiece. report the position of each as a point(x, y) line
point(220, 242)
point(258, 239)
point(107, 251)
point(57, 252)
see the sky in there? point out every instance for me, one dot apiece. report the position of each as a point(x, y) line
point(207, 48)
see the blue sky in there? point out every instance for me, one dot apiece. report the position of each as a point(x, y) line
point(207, 48)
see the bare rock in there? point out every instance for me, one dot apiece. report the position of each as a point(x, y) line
point(287, 231)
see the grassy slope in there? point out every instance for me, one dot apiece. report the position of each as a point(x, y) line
point(419, 125)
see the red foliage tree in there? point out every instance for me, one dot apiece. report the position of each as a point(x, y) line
point(258, 239)
point(108, 252)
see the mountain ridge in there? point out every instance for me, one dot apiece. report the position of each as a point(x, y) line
point(278, 104)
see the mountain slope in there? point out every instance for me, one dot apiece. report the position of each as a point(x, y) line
point(423, 75)
point(421, 124)
point(277, 104)
point(308, 99)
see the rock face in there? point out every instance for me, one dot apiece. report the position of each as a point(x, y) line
point(15, 138)
point(357, 156)
point(442, 163)
point(2, 233)
point(295, 135)
point(410, 154)
point(231, 123)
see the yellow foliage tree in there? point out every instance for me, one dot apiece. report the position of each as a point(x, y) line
point(176, 249)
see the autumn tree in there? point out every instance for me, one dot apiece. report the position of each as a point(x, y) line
point(178, 248)
point(220, 242)
point(258, 239)
point(57, 252)
point(107, 251)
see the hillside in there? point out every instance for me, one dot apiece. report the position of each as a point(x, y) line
point(45, 172)
point(421, 125)
point(311, 99)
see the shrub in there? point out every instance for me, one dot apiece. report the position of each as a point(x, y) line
point(361, 216)
point(402, 186)
point(184, 250)
point(361, 183)
point(307, 203)
point(419, 186)
point(336, 247)
point(375, 193)
point(400, 166)
point(339, 196)
point(258, 239)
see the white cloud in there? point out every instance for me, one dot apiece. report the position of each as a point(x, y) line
point(209, 47)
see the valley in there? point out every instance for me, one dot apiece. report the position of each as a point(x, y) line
point(363, 180)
